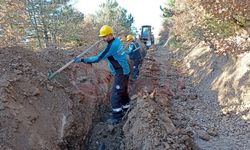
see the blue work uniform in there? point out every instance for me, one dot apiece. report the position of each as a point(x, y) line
point(135, 56)
point(119, 68)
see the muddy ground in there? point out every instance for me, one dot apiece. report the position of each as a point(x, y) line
point(169, 111)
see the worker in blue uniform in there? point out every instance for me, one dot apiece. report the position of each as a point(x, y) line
point(134, 55)
point(119, 67)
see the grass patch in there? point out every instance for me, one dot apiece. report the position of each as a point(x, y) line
point(221, 28)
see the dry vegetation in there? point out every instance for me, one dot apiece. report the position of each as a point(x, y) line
point(12, 30)
point(223, 25)
point(209, 40)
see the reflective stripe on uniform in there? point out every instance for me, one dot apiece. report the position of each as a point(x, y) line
point(125, 106)
point(117, 87)
point(117, 109)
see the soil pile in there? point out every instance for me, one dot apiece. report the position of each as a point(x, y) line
point(169, 109)
point(39, 114)
point(149, 124)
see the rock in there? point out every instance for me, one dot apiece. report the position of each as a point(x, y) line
point(2, 107)
point(212, 132)
point(49, 88)
point(36, 92)
point(145, 96)
point(40, 74)
point(192, 96)
point(134, 97)
point(204, 136)
point(111, 128)
point(82, 79)
point(17, 72)
point(15, 65)
point(30, 101)
point(152, 95)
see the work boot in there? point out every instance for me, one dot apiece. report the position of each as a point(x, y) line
point(115, 118)
point(125, 107)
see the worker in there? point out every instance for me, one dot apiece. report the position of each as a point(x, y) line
point(134, 55)
point(119, 67)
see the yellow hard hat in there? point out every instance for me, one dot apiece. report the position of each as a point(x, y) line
point(130, 37)
point(105, 30)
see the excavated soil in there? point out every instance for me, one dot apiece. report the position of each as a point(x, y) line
point(148, 124)
point(168, 111)
point(69, 112)
point(150, 120)
point(36, 113)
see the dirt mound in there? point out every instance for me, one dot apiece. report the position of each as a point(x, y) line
point(39, 114)
point(149, 125)
point(69, 112)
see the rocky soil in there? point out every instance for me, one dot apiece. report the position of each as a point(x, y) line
point(217, 109)
point(36, 113)
point(170, 109)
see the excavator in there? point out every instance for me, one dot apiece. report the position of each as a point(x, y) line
point(146, 36)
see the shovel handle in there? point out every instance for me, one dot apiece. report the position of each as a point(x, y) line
point(66, 65)
point(80, 55)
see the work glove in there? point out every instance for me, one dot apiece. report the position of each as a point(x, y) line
point(77, 60)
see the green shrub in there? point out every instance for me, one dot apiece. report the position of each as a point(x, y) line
point(221, 28)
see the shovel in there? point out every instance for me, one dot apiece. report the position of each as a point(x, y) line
point(51, 74)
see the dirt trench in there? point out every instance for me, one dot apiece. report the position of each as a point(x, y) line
point(148, 124)
point(69, 112)
point(169, 110)
point(173, 110)
point(36, 113)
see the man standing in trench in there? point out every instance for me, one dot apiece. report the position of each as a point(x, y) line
point(119, 68)
point(134, 55)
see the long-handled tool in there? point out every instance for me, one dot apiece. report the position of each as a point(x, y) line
point(51, 75)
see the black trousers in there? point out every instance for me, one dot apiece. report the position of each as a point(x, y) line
point(119, 91)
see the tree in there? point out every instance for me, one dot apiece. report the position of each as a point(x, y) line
point(53, 21)
point(126, 20)
point(167, 10)
point(12, 22)
point(112, 14)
